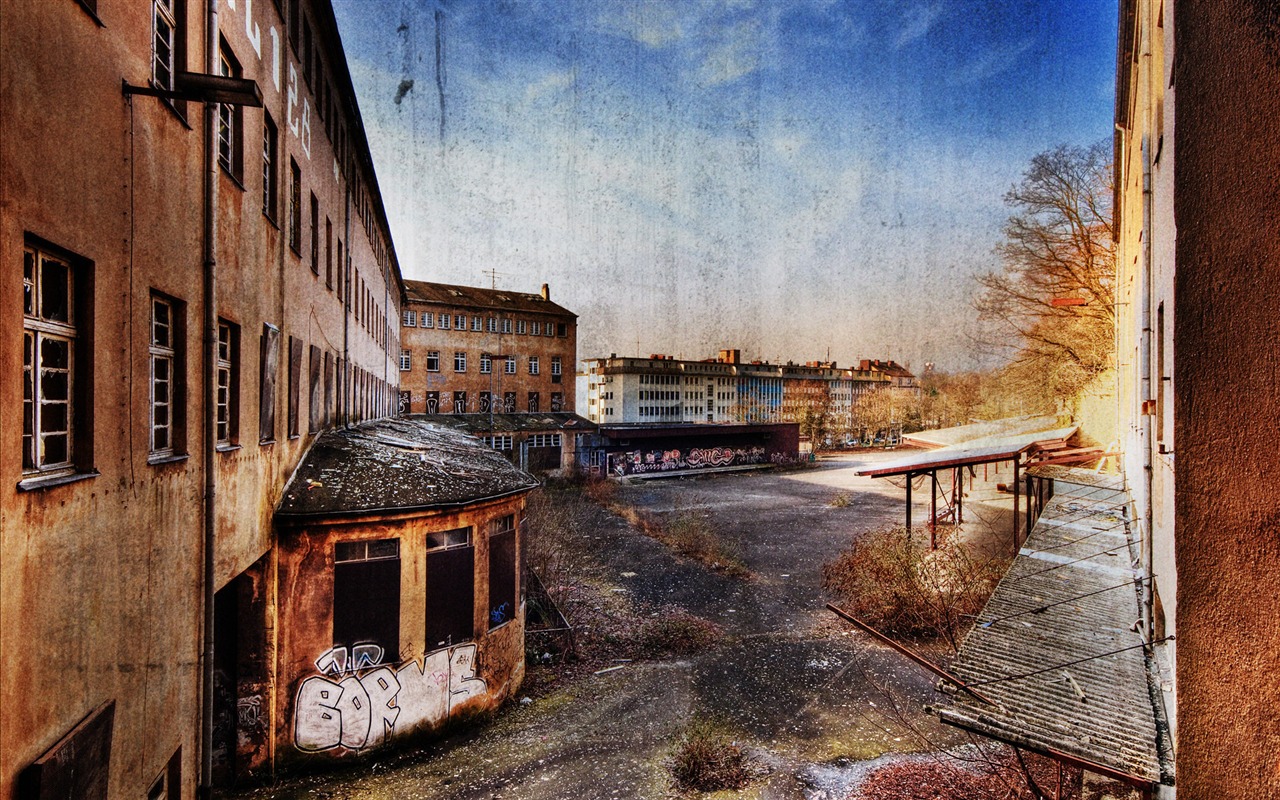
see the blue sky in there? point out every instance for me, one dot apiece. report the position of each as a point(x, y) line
point(788, 178)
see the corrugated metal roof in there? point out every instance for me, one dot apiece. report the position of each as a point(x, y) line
point(979, 451)
point(397, 465)
point(1055, 649)
point(481, 299)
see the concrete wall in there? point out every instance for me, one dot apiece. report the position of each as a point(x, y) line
point(1227, 408)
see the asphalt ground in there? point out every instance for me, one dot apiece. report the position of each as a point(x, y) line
point(814, 703)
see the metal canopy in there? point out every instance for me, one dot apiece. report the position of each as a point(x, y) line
point(967, 455)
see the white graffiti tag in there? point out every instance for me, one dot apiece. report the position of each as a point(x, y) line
point(364, 710)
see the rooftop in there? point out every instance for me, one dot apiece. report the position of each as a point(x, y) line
point(1009, 426)
point(397, 465)
point(1055, 649)
point(478, 298)
point(510, 423)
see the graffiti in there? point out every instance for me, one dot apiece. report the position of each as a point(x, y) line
point(358, 703)
point(249, 712)
point(640, 462)
point(501, 614)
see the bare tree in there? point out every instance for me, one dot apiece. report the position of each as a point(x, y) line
point(1054, 290)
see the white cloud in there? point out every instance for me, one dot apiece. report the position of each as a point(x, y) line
point(918, 21)
point(989, 64)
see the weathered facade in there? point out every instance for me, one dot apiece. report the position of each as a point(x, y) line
point(110, 446)
point(1196, 205)
point(468, 350)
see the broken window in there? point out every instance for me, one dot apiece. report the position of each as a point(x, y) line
point(502, 570)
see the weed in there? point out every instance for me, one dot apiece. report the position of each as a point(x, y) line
point(708, 760)
point(675, 632)
point(841, 500)
point(905, 589)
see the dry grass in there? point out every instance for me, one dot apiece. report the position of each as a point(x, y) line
point(904, 589)
point(840, 500)
point(708, 760)
point(672, 631)
point(997, 776)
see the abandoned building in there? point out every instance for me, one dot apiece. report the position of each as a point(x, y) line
point(466, 350)
point(535, 442)
point(674, 449)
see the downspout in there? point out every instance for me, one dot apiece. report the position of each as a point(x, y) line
point(344, 381)
point(205, 789)
point(1148, 396)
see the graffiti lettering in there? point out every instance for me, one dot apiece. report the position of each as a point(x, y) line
point(375, 703)
point(638, 462)
point(249, 711)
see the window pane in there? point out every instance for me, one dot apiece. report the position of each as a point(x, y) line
point(55, 287)
point(54, 449)
point(28, 283)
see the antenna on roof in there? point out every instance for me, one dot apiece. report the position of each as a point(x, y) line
point(493, 277)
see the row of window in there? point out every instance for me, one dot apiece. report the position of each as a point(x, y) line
point(366, 587)
point(504, 441)
point(660, 411)
point(57, 372)
point(653, 394)
point(534, 363)
point(478, 324)
point(459, 402)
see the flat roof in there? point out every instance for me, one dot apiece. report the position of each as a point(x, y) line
point(1055, 649)
point(985, 452)
point(522, 422)
point(397, 465)
point(970, 433)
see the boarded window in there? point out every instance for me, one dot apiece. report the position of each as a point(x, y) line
point(77, 765)
point(295, 383)
point(502, 570)
point(315, 405)
point(366, 595)
point(450, 587)
point(270, 364)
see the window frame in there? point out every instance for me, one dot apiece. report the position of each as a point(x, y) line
point(230, 132)
point(406, 360)
point(486, 364)
point(534, 365)
point(227, 386)
point(173, 354)
point(270, 161)
point(460, 361)
point(433, 357)
point(295, 207)
point(510, 367)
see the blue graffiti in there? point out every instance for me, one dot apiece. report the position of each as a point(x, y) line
point(500, 614)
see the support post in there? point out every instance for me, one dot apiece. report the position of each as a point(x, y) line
point(958, 488)
point(933, 509)
point(1017, 491)
point(908, 502)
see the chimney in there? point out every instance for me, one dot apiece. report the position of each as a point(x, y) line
point(546, 292)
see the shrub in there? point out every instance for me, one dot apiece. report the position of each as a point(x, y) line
point(708, 760)
point(675, 632)
point(903, 588)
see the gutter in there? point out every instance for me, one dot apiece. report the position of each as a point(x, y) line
point(204, 790)
point(300, 517)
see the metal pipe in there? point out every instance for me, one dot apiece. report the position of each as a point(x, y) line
point(1148, 252)
point(1016, 496)
point(205, 789)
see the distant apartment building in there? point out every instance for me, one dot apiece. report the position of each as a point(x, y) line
point(469, 350)
point(727, 390)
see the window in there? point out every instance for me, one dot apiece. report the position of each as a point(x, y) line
point(459, 361)
point(410, 319)
point(168, 58)
point(167, 371)
point(537, 329)
point(270, 146)
point(405, 361)
point(557, 401)
point(506, 326)
point(270, 365)
point(433, 361)
point(502, 570)
point(533, 365)
point(227, 414)
point(491, 324)
point(295, 207)
point(295, 384)
point(328, 252)
point(476, 324)
point(510, 367)
point(533, 402)
point(498, 442)
point(562, 329)
point(450, 595)
point(509, 402)
point(315, 234)
point(545, 440)
point(459, 322)
point(520, 326)
point(315, 405)
point(485, 399)
point(428, 319)
point(459, 402)
point(444, 322)
point(230, 120)
point(56, 384)
point(486, 364)
point(366, 595)
point(433, 402)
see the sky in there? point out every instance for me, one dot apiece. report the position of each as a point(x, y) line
point(797, 179)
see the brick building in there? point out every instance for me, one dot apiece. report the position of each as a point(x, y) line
point(469, 350)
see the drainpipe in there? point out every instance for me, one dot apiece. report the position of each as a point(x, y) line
point(1148, 396)
point(344, 382)
point(205, 790)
